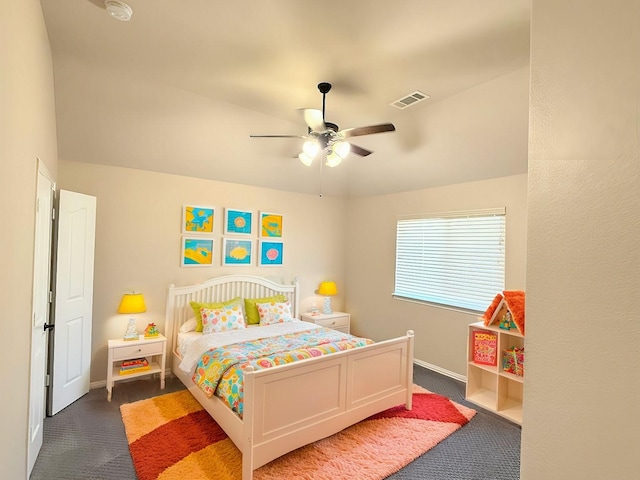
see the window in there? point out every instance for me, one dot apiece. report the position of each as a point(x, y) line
point(454, 259)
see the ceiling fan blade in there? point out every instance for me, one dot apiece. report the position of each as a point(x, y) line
point(363, 152)
point(313, 118)
point(359, 131)
point(277, 136)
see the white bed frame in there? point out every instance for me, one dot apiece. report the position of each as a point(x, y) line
point(289, 406)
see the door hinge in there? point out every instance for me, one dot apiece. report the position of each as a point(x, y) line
point(53, 214)
point(47, 380)
point(50, 296)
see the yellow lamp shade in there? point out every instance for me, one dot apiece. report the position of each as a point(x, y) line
point(132, 303)
point(327, 288)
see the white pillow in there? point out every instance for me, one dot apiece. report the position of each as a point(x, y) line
point(216, 320)
point(274, 312)
point(189, 325)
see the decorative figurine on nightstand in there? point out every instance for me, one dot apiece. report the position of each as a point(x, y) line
point(151, 331)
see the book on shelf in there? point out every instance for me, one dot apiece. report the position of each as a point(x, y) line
point(129, 371)
point(133, 366)
point(135, 362)
point(485, 346)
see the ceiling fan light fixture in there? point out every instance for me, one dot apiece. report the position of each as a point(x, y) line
point(333, 159)
point(342, 148)
point(311, 148)
point(118, 10)
point(304, 158)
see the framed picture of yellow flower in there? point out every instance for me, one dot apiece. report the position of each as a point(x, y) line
point(197, 252)
point(236, 251)
point(238, 222)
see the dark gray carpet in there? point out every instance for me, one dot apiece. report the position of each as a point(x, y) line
point(86, 441)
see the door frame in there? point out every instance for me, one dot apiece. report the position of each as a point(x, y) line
point(40, 315)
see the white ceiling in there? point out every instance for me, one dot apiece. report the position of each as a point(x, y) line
point(180, 87)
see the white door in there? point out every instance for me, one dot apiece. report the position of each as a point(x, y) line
point(73, 299)
point(41, 288)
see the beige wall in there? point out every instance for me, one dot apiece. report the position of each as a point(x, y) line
point(440, 333)
point(581, 417)
point(27, 131)
point(138, 238)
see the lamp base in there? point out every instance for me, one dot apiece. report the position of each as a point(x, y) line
point(132, 332)
point(326, 306)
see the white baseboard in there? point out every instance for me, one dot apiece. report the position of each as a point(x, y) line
point(98, 384)
point(435, 368)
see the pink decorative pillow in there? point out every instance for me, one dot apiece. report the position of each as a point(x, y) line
point(216, 320)
point(274, 312)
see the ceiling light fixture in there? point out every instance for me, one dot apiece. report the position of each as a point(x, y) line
point(335, 152)
point(310, 149)
point(118, 10)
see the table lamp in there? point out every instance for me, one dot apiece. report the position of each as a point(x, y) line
point(132, 303)
point(327, 288)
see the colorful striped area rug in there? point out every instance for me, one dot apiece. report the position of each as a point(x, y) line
point(172, 438)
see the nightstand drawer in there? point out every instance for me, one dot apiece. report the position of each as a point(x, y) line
point(336, 323)
point(138, 350)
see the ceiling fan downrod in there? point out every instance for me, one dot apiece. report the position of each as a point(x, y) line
point(324, 88)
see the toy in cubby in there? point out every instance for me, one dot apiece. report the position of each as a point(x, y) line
point(513, 361)
point(507, 323)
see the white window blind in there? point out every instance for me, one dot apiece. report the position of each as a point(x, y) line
point(454, 259)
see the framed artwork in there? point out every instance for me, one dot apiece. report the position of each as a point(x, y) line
point(270, 225)
point(236, 251)
point(238, 222)
point(196, 252)
point(197, 219)
point(270, 253)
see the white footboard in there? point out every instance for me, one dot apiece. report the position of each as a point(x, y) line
point(291, 406)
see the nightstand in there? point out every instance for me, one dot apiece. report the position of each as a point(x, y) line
point(337, 320)
point(153, 349)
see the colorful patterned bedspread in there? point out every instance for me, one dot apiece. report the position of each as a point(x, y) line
point(220, 370)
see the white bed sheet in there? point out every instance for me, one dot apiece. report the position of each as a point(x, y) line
point(195, 344)
point(185, 339)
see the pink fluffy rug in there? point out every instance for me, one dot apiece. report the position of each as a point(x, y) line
point(171, 437)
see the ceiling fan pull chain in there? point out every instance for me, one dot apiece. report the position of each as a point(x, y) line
point(324, 155)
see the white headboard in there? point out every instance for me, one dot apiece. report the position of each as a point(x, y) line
point(220, 289)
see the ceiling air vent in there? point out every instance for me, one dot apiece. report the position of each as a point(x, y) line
point(409, 100)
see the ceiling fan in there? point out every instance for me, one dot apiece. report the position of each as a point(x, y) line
point(325, 138)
